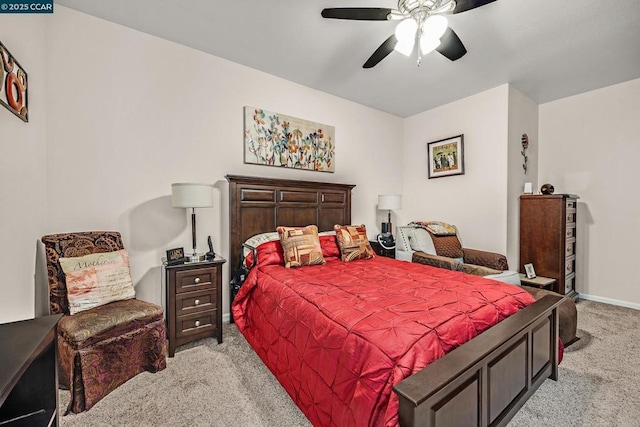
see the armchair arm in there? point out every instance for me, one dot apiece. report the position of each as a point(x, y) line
point(436, 261)
point(485, 259)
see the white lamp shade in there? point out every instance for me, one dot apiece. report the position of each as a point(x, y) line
point(191, 195)
point(406, 30)
point(434, 27)
point(428, 45)
point(389, 201)
point(405, 47)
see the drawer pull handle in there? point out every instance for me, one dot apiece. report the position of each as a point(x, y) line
point(197, 323)
point(196, 302)
point(197, 280)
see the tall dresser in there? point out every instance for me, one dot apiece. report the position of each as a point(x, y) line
point(548, 238)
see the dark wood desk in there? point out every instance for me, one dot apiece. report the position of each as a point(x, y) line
point(29, 375)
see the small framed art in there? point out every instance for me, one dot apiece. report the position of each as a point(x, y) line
point(529, 271)
point(175, 256)
point(446, 157)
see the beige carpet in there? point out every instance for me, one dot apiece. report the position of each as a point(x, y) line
point(207, 384)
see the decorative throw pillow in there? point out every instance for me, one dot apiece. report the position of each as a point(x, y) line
point(448, 246)
point(300, 246)
point(353, 242)
point(97, 279)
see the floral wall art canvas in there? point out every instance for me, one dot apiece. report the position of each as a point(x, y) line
point(274, 139)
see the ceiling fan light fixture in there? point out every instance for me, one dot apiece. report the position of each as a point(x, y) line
point(405, 47)
point(435, 26)
point(406, 30)
point(428, 44)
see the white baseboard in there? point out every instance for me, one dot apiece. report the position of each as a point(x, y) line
point(610, 301)
point(226, 318)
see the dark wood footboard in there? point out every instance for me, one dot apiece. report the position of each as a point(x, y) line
point(485, 381)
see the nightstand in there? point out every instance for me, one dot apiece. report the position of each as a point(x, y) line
point(194, 302)
point(379, 250)
point(538, 282)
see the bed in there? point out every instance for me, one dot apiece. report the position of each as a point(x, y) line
point(481, 382)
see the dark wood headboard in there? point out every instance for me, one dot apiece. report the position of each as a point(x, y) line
point(259, 205)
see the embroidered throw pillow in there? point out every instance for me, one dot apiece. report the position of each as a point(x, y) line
point(97, 279)
point(300, 246)
point(353, 242)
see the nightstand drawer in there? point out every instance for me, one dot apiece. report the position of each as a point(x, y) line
point(196, 323)
point(194, 280)
point(191, 302)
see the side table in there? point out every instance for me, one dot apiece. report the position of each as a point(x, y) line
point(379, 250)
point(194, 302)
point(538, 282)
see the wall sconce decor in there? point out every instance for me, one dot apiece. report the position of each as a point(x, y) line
point(525, 145)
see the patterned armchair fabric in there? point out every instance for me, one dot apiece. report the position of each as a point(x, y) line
point(101, 348)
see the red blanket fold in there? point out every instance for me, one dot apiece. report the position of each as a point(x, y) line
point(339, 336)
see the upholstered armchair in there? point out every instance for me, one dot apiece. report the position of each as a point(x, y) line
point(100, 348)
point(417, 244)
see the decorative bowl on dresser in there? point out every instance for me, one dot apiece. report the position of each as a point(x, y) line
point(194, 302)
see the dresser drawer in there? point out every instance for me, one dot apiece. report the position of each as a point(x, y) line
point(190, 302)
point(571, 230)
point(571, 217)
point(570, 247)
point(196, 323)
point(571, 204)
point(569, 265)
point(194, 280)
point(569, 283)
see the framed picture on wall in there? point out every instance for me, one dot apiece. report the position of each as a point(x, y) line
point(446, 157)
point(13, 85)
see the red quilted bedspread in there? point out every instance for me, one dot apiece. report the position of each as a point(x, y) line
point(339, 336)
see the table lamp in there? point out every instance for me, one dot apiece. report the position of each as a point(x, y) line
point(191, 195)
point(388, 202)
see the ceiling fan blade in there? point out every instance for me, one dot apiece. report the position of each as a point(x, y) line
point(451, 46)
point(385, 49)
point(464, 5)
point(357, 13)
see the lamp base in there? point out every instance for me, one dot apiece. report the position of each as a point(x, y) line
point(196, 258)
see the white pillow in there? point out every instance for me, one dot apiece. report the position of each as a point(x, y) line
point(420, 240)
point(259, 239)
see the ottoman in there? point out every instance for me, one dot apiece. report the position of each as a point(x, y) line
point(566, 311)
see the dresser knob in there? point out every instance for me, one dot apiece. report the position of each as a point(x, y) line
point(196, 302)
point(197, 323)
point(197, 280)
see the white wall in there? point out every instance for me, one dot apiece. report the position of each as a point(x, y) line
point(475, 202)
point(590, 146)
point(131, 113)
point(23, 168)
point(523, 118)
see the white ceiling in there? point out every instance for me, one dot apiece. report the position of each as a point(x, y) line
point(547, 49)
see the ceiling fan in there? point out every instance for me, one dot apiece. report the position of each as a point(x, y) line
point(420, 20)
